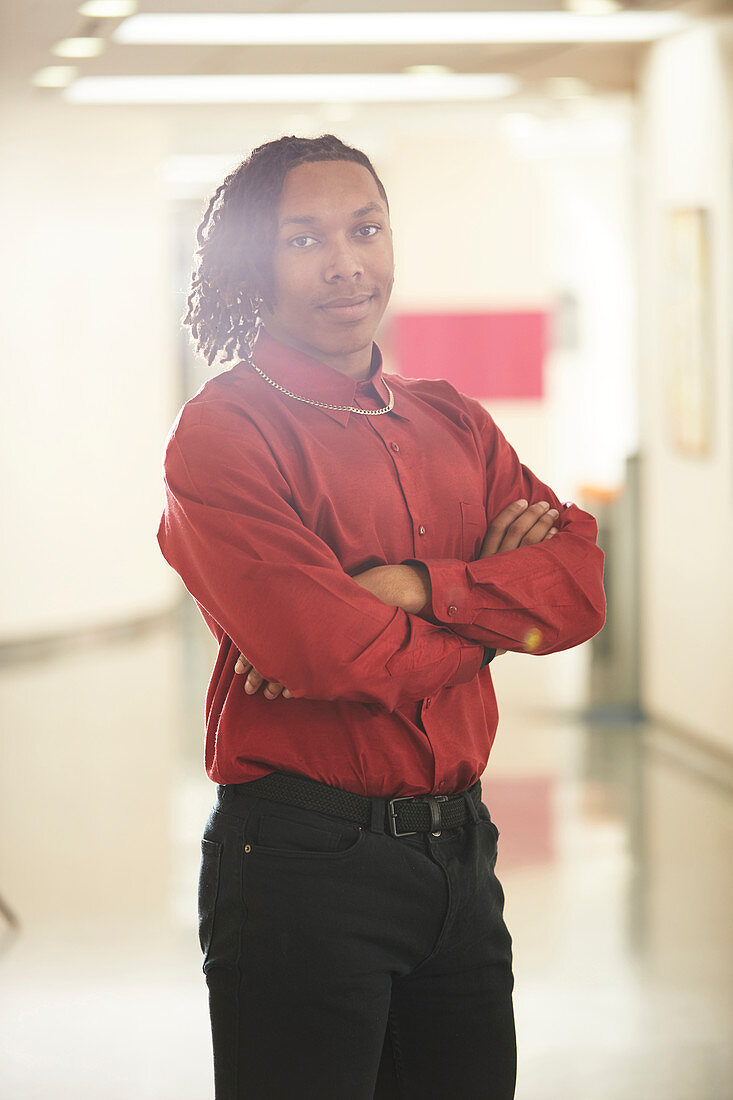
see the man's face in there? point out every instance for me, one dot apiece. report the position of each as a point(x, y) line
point(332, 262)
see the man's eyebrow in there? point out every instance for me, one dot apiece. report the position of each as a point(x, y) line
point(309, 219)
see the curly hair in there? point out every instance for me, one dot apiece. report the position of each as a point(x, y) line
point(236, 239)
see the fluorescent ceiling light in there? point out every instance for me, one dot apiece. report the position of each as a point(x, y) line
point(292, 88)
point(54, 76)
point(108, 9)
point(432, 69)
point(79, 47)
point(592, 7)
point(382, 28)
point(567, 87)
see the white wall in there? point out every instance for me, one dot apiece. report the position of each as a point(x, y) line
point(87, 372)
point(687, 521)
point(87, 390)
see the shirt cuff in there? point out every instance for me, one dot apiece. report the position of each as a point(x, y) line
point(489, 655)
point(450, 591)
point(469, 663)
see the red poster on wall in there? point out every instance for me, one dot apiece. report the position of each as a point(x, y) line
point(484, 355)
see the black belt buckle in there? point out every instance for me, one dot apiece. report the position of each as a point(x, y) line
point(430, 799)
point(393, 815)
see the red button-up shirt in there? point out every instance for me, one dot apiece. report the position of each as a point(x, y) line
point(272, 504)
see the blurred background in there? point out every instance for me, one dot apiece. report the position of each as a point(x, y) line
point(561, 184)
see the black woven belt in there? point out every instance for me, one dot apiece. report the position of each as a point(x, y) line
point(404, 815)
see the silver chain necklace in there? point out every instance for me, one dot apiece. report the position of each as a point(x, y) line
point(251, 339)
point(322, 404)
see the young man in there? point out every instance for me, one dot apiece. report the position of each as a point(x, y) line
point(360, 544)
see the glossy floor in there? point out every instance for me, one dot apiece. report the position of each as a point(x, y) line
point(615, 845)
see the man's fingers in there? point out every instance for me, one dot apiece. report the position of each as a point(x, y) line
point(530, 527)
point(272, 690)
point(519, 525)
point(498, 527)
point(254, 680)
point(540, 529)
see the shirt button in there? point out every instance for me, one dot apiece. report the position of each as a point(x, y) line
point(421, 530)
point(452, 609)
point(395, 446)
point(428, 702)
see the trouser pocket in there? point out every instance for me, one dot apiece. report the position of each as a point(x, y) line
point(209, 877)
point(220, 906)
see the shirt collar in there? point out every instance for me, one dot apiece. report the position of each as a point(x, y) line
point(311, 378)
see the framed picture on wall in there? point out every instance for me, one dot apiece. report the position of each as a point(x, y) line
point(688, 347)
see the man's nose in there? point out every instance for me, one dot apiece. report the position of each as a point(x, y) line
point(344, 260)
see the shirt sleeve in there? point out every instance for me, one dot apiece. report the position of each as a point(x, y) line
point(279, 592)
point(536, 599)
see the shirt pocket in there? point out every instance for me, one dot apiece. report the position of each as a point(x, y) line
point(473, 528)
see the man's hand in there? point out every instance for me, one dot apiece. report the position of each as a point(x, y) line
point(518, 525)
point(254, 680)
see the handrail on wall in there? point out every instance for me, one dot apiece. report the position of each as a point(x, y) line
point(18, 651)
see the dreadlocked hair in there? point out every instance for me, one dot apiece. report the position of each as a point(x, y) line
point(236, 237)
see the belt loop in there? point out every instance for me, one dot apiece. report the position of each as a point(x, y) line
point(435, 822)
point(379, 812)
point(470, 806)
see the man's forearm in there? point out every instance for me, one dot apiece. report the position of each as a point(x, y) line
point(404, 586)
point(408, 587)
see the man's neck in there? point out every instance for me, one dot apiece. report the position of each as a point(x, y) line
point(355, 364)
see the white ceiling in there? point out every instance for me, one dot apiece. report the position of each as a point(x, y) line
point(29, 28)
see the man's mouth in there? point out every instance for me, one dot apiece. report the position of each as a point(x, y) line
point(351, 308)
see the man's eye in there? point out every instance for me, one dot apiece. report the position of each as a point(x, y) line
point(298, 241)
point(368, 230)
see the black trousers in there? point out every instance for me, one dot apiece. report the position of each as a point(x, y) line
point(346, 964)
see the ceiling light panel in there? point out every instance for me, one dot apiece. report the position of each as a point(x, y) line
point(293, 88)
point(593, 7)
point(79, 47)
point(54, 76)
point(108, 9)
point(396, 28)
